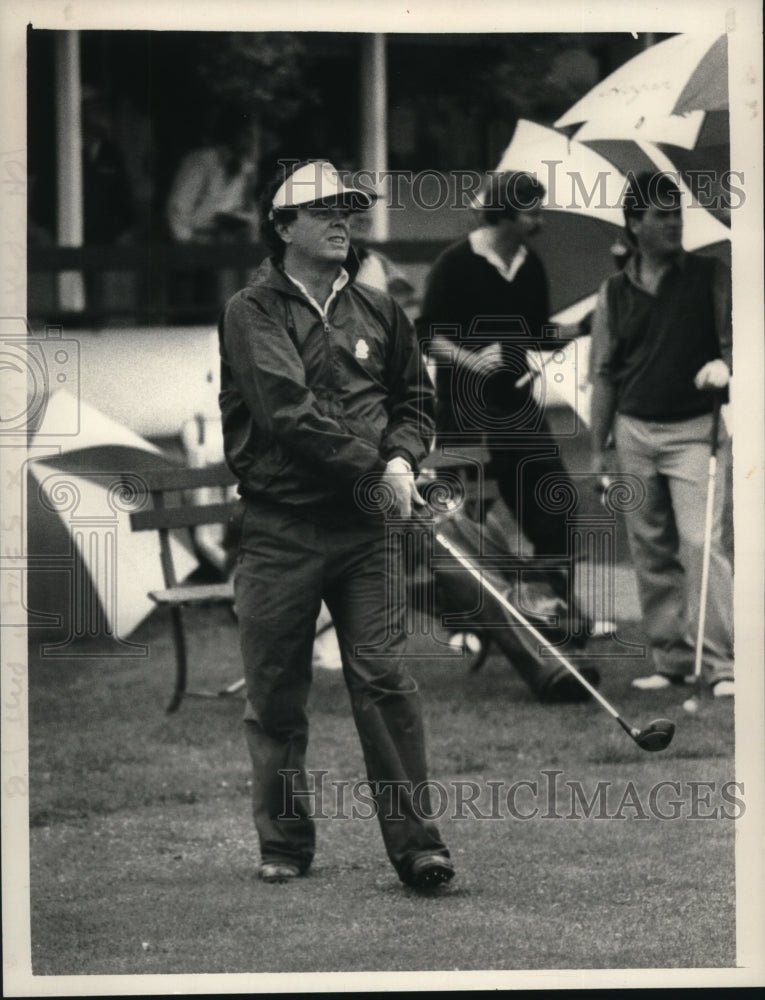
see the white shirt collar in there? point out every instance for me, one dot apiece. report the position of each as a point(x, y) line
point(481, 244)
point(340, 282)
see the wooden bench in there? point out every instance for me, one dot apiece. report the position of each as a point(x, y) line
point(176, 507)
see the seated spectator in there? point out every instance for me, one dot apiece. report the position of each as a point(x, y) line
point(212, 195)
point(212, 201)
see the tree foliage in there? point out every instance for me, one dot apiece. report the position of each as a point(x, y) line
point(523, 83)
point(255, 72)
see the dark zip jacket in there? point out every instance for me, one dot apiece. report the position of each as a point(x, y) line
point(311, 405)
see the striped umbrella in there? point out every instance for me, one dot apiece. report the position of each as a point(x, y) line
point(583, 214)
point(583, 223)
point(684, 74)
point(669, 101)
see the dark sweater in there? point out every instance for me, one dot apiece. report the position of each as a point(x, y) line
point(653, 345)
point(466, 299)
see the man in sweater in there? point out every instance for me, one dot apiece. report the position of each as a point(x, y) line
point(326, 410)
point(661, 348)
point(486, 305)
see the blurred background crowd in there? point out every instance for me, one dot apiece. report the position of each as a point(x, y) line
point(180, 130)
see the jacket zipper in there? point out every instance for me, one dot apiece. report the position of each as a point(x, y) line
point(328, 343)
point(314, 307)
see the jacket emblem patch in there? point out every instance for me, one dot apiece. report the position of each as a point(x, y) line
point(362, 349)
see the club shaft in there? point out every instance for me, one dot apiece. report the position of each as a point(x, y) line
point(489, 586)
point(535, 373)
point(705, 568)
point(706, 555)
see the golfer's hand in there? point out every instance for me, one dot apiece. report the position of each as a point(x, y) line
point(399, 477)
point(490, 356)
point(484, 360)
point(714, 375)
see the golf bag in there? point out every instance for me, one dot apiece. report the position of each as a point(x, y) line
point(466, 604)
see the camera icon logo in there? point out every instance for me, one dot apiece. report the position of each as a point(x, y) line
point(34, 366)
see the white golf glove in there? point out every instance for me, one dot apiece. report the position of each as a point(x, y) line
point(398, 475)
point(713, 375)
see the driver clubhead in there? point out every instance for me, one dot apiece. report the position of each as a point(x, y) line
point(657, 735)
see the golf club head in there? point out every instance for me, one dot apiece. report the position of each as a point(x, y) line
point(657, 735)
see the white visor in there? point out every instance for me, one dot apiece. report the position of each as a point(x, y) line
point(318, 181)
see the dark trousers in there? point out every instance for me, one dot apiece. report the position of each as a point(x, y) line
point(531, 477)
point(529, 480)
point(286, 565)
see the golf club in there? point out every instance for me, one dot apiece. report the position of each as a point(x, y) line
point(657, 735)
point(536, 372)
point(691, 704)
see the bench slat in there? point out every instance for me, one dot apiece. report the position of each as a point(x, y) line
point(204, 593)
point(168, 480)
point(183, 517)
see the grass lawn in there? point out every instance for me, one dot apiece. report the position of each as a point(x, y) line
point(143, 855)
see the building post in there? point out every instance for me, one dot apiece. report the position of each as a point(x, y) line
point(374, 125)
point(69, 225)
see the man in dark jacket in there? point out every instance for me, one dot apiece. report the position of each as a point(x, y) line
point(485, 308)
point(326, 408)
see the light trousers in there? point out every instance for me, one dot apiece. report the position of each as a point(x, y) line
point(666, 536)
